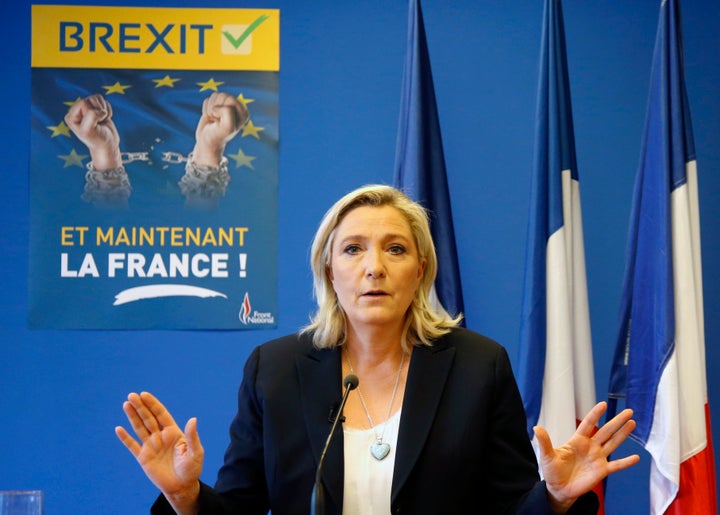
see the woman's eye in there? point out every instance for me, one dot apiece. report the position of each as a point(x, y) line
point(352, 249)
point(397, 249)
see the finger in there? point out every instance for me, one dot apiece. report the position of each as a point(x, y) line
point(613, 425)
point(223, 99)
point(75, 113)
point(158, 410)
point(91, 117)
point(219, 98)
point(145, 414)
point(224, 117)
point(207, 117)
point(211, 101)
point(128, 441)
point(108, 108)
point(97, 101)
point(619, 436)
point(622, 463)
point(238, 111)
point(543, 440)
point(590, 421)
point(100, 107)
point(206, 105)
point(136, 421)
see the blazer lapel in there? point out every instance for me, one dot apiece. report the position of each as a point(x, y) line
point(319, 374)
point(429, 369)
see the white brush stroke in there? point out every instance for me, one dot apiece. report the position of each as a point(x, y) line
point(163, 290)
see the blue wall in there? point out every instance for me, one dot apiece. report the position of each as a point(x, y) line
point(341, 64)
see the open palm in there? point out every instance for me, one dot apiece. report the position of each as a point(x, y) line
point(172, 459)
point(582, 462)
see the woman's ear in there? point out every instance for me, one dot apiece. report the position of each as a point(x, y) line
point(421, 269)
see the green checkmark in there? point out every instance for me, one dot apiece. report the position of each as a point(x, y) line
point(236, 42)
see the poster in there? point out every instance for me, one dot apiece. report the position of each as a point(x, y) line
point(153, 168)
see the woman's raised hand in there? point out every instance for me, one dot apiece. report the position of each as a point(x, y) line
point(582, 462)
point(171, 458)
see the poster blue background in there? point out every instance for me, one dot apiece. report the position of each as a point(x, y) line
point(341, 65)
point(152, 122)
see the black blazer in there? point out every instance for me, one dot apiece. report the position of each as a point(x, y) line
point(462, 443)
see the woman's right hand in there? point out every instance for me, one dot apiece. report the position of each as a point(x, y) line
point(171, 458)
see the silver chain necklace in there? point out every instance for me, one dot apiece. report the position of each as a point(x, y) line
point(379, 449)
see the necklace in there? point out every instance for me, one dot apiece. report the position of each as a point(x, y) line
point(379, 449)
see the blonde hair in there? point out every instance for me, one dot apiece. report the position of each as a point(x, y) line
point(424, 321)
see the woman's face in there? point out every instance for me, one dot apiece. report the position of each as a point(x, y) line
point(375, 268)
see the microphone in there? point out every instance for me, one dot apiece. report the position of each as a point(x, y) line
point(317, 501)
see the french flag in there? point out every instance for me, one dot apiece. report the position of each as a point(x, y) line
point(659, 362)
point(555, 372)
point(420, 161)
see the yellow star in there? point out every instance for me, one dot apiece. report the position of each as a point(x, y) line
point(165, 81)
point(115, 88)
point(73, 159)
point(59, 130)
point(73, 102)
point(242, 160)
point(211, 84)
point(244, 101)
point(251, 129)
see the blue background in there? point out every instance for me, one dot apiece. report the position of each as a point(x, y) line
point(341, 65)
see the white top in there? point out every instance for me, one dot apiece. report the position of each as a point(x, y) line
point(368, 481)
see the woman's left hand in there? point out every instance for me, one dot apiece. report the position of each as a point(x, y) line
point(582, 462)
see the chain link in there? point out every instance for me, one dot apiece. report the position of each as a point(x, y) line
point(129, 157)
point(167, 157)
point(173, 157)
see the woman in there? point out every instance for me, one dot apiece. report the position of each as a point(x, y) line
point(436, 425)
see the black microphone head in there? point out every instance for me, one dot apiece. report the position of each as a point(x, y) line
point(351, 381)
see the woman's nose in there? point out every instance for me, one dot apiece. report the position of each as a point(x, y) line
point(374, 265)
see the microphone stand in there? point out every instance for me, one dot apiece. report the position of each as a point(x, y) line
point(317, 500)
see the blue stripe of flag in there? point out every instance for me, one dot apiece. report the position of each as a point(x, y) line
point(419, 159)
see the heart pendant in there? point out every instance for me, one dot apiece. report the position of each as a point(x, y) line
point(379, 450)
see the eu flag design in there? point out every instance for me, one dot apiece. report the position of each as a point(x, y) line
point(419, 159)
point(153, 169)
point(659, 362)
point(555, 373)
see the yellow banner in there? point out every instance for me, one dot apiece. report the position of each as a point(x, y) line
point(147, 38)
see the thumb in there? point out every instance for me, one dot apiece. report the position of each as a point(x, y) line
point(192, 437)
point(543, 441)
